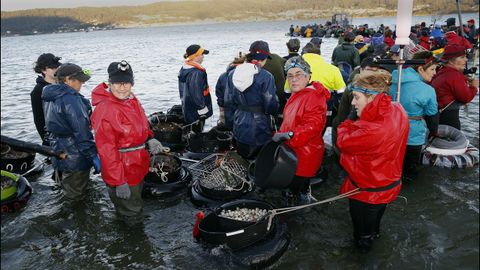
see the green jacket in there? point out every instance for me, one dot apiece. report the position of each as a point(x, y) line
point(344, 107)
point(275, 67)
point(346, 53)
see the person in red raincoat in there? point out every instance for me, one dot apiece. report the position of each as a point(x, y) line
point(453, 38)
point(303, 122)
point(121, 130)
point(453, 88)
point(372, 148)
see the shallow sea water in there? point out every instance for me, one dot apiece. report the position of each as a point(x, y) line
point(436, 228)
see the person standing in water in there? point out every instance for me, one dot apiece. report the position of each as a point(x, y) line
point(372, 145)
point(122, 135)
point(46, 65)
point(252, 95)
point(67, 122)
point(304, 120)
point(193, 87)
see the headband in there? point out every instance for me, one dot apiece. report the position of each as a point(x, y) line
point(363, 90)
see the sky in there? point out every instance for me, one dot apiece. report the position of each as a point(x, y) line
point(10, 5)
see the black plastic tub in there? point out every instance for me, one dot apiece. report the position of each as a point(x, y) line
point(16, 161)
point(214, 141)
point(167, 163)
point(205, 197)
point(237, 235)
point(275, 166)
point(162, 190)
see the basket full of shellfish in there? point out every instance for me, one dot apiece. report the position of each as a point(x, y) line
point(237, 224)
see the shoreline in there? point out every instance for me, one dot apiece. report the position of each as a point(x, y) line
point(381, 12)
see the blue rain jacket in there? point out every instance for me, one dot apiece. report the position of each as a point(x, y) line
point(220, 92)
point(418, 99)
point(252, 87)
point(67, 119)
point(193, 88)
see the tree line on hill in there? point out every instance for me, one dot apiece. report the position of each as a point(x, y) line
point(218, 10)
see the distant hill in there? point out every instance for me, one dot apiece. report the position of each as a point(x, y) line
point(216, 10)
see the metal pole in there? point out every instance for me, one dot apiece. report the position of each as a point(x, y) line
point(400, 72)
point(460, 18)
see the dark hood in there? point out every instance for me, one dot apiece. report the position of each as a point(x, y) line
point(184, 72)
point(346, 46)
point(54, 91)
point(41, 81)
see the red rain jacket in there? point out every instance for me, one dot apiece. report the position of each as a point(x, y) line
point(120, 124)
point(372, 150)
point(425, 42)
point(389, 41)
point(453, 38)
point(305, 114)
point(450, 84)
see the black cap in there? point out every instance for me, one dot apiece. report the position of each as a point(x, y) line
point(192, 49)
point(72, 71)
point(120, 72)
point(259, 50)
point(47, 60)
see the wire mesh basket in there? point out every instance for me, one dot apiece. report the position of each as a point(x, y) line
point(221, 172)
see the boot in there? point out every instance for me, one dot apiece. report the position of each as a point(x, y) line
point(364, 243)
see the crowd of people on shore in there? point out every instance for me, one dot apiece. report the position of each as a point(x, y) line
point(378, 141)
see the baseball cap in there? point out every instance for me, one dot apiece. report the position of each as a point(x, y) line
point(259, 50)
point(73, 71)
point(195, 49)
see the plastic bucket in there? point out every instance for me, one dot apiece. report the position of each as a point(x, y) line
point(10, 190)
point(275, 166)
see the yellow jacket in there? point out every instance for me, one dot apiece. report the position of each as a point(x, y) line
point(323, 72)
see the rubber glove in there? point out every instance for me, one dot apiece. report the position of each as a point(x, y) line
point(154, 146)
point(123, 191)
point(96, 164)
point(281, 136)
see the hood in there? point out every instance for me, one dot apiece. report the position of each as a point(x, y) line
point(318, 86)
point(101, 93)
point(346, 46)
point(379, 107)
point(408, 75)
point(184, 71)
point(243, 76)
point(54, 91)
point(40, 80)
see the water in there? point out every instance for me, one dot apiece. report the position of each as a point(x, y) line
point(437, 229)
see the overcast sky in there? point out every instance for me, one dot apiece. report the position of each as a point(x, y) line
point(9, 5)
